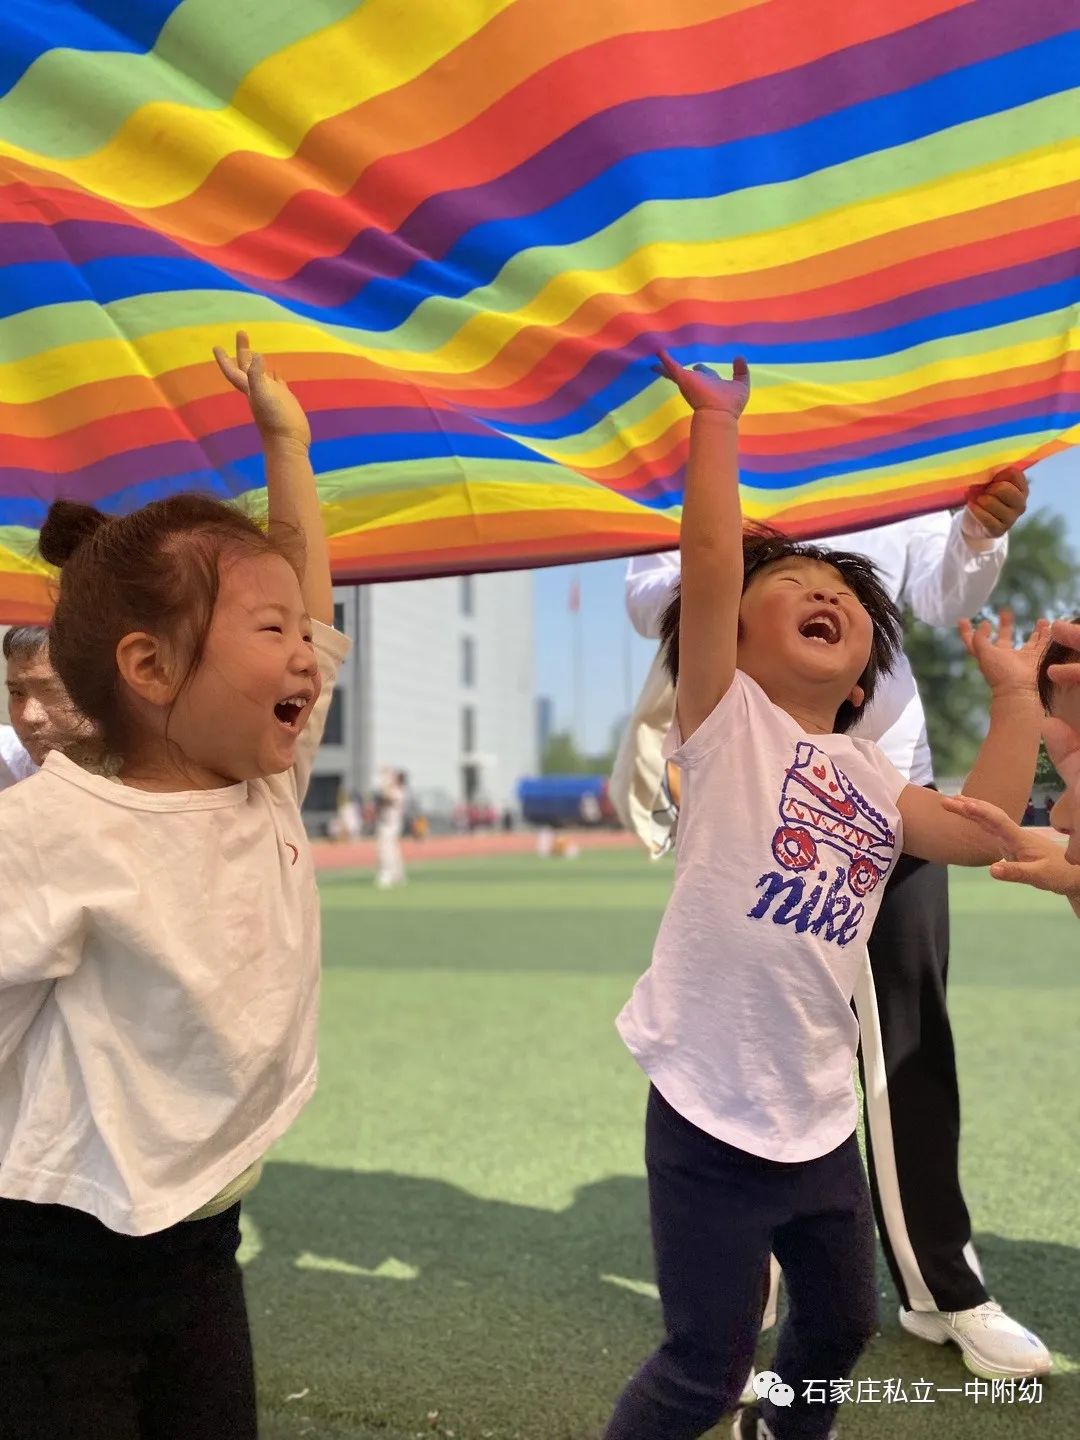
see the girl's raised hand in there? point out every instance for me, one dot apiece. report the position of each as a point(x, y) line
point(703, 389)
point(1005, 667)
point(274, 408)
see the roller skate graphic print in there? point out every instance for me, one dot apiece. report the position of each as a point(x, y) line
point(835, 847)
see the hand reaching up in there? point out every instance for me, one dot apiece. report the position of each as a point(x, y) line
point(703, 389)
point(274, 408)
point(1007, 669)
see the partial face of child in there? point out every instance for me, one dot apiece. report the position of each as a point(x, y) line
point(804, 633)
point(1065, 816)
point(42, 714)
point(240, 715)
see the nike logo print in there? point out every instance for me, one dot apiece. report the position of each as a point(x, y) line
point(295, 852)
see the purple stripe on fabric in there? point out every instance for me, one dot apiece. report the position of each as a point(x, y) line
point(223, 448)
point(895, 62)
point(82, 241)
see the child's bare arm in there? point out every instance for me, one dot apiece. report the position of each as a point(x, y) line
point(292, 497)
point(710, 540)
point(1005, 768)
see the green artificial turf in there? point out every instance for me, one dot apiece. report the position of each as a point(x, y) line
point(452, 1240)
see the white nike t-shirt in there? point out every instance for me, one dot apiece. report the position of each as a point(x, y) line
point(159, 983)
point(743, 1020)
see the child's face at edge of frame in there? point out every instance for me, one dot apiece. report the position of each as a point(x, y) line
point(42, 714)
point(233, 719)
point(1065, 814)
point(801, 625)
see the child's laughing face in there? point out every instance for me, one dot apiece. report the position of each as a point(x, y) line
point(801, 627)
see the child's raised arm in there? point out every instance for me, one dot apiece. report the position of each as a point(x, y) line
point(290, 481)
point(710, 540)
point(1005, 767)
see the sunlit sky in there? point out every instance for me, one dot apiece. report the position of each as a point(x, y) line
point(614, 659)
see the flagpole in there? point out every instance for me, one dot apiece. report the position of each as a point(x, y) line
point(628, 672)
point(579, 664)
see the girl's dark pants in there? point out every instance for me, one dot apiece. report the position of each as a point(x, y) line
point(717, 1213)
point(119, 1337)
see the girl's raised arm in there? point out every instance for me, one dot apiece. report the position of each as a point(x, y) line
point(711, 539)
point(290, 481)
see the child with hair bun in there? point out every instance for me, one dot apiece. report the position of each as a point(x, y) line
point(159, 949)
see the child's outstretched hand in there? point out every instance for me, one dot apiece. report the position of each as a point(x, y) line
point(274, 408)
point(703, 389)
point(1005, 667)
point(1027, 857)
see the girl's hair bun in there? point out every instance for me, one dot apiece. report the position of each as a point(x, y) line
point(66, 526)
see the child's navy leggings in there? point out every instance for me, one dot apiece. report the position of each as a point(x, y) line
point(717, 1213)
point(119, 1337)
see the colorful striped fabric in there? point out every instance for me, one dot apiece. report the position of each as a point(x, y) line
point(464, 227)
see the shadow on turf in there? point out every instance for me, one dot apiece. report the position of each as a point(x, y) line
point(391, 1298)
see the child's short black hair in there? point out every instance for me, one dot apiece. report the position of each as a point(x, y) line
point(764, 546)
point(1054, 654)
point(25, 642)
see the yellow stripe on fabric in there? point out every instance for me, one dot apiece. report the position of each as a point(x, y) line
point(275, 105)
point(836, 385)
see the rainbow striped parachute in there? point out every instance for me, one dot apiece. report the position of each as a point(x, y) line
point(465, 225)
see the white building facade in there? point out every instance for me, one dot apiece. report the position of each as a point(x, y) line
point(439, 683)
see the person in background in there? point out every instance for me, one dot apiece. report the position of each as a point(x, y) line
point(390, 801)
point(42, 715)
point(944, 569)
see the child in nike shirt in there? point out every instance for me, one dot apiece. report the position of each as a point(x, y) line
point(787, 831)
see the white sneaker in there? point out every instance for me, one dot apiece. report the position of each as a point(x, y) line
point(994, 1346)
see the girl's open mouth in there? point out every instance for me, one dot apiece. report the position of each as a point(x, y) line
point(823, 626)
point(288, 712)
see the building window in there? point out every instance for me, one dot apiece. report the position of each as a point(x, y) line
point(468, 729)
point(323, 794)
point(339, 615)
point(467, 595)
point(468, 660)
point(334, 734)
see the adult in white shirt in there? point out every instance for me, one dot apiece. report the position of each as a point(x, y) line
point(42, 716)
point(944, 568)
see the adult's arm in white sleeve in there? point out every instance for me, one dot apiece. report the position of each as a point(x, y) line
point(650, 579)
point(952, 567)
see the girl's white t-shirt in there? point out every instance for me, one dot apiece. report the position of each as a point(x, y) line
point(159, 982)
point(743, 1020)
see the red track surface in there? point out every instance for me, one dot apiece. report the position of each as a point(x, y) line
point(360, 855)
